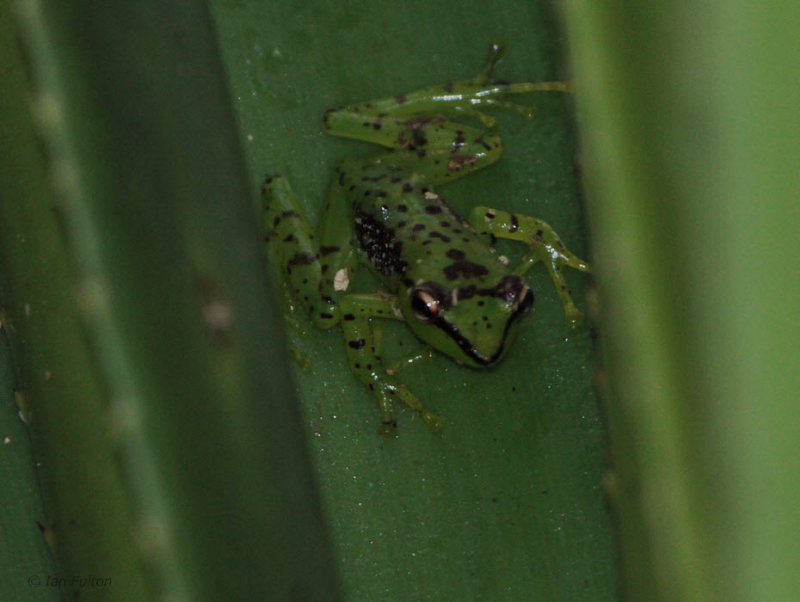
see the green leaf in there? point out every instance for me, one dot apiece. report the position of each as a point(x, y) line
point(506, 502)
point(50, 383)
point(174, 459)
point(184, 366)
point(25, 560)
point(692, 150)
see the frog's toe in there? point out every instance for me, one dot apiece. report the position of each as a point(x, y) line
point(434, 422)
point(388, 428)
point(574, 317)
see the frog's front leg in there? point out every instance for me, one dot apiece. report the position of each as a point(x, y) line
point(363, 352)
point(318, 269)
point(544, 245)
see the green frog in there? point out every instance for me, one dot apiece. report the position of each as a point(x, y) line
point(442, 275)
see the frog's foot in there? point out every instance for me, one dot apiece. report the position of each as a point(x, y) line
point(386, 394)
point(432, 421)
point(495, 52)
point(373, 121)
point(544, 246)
point(362, 343)
point(300, 359)
point(493, 92)
point(485, 76)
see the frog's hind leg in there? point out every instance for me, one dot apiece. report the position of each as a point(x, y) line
point(417, 126)
point(455, 97)
point(365, 121)
point(316, 268)
point(439, 150)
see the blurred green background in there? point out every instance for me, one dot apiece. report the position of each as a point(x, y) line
point(175, 457)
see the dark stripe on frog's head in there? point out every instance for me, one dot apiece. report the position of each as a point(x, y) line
point(468, 348)
point(462, 268)
point(511, 289)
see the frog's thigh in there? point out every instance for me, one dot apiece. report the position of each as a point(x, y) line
point(292, 245)
point(431, 146)
point(364, 356)
point(316, 269)
point(337, 257)
point(444, 151)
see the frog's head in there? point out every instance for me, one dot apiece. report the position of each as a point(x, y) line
point(473, 325)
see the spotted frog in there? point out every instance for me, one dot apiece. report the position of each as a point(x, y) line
point(442, 275)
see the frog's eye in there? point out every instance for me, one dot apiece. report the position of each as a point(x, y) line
point(527, 300)
point(424, 304)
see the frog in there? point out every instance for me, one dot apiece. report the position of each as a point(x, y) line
point(442, 274)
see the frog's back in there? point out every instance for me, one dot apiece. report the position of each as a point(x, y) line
point(410, 235)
